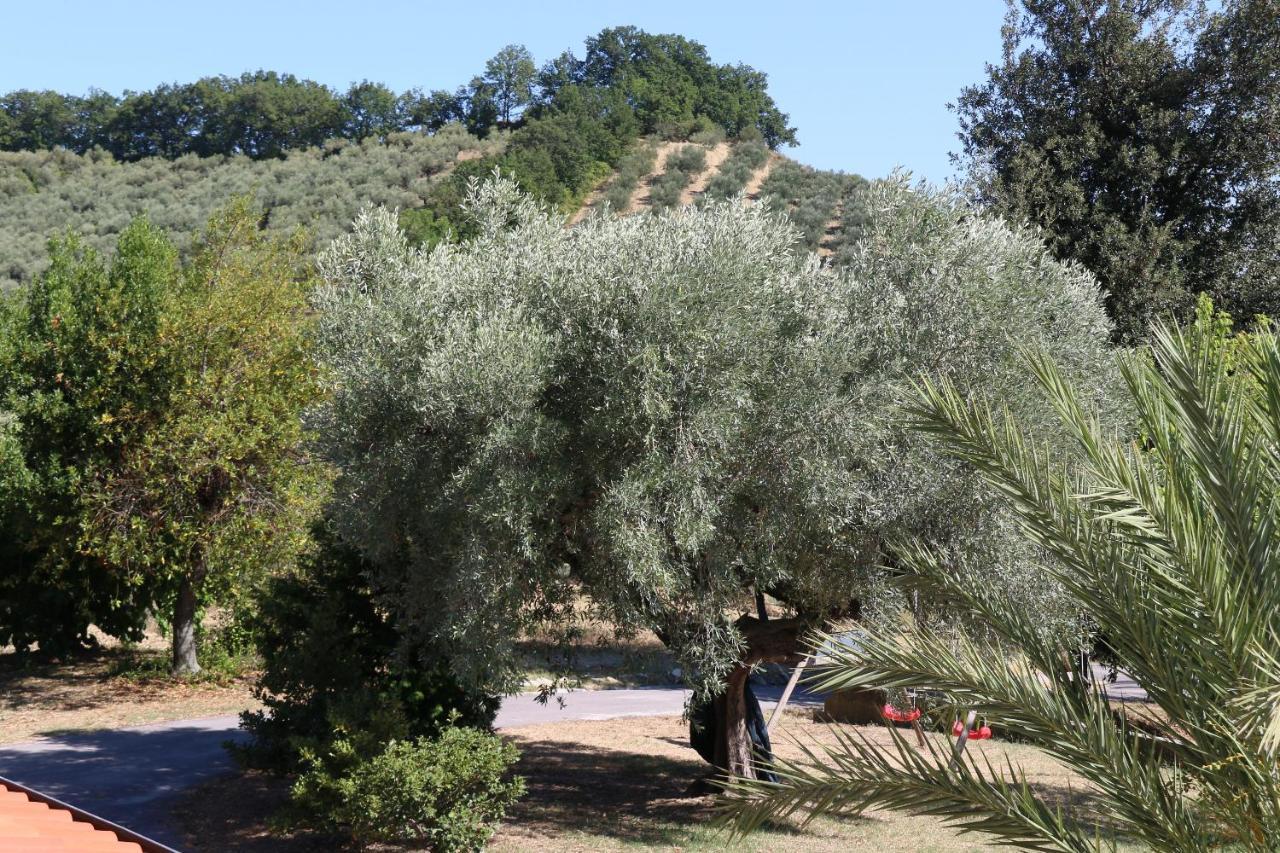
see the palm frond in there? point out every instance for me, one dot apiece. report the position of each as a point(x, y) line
point(1168, 543)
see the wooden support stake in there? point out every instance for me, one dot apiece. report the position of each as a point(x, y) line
point(786, 694)
point(958, 749)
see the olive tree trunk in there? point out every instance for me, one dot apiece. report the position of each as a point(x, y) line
point(184, 629)
point(771, 641)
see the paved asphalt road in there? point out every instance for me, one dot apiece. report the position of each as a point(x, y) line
point(132, 776)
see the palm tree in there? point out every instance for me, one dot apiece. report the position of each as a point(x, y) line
point(1169, 543)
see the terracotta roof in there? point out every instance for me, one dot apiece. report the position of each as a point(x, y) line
point(32, 826)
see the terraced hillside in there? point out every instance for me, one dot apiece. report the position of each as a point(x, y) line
point(656, 175)
point(321, 189)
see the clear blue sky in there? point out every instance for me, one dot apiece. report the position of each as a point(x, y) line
point(865, 81)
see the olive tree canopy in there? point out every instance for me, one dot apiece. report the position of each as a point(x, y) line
point(667, 411)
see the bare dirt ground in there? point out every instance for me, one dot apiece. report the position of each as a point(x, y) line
point(715, 158)
point(110, 688)
point(752, 189)
point(620, 785)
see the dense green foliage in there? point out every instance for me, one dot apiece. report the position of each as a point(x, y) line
point(449, 793)
point(671, 82)
point(682, 166)
point(1170, 545)
point(666, 411)
point(808, 196)
point(331, 666)
point(155, 430)
point(1142, 137)
point(564, 152)
point(855, 218)
point(668, 82)
point(321, 189)
point(70, 375)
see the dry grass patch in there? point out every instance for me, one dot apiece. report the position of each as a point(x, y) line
point(622, 785)
point(109, 688)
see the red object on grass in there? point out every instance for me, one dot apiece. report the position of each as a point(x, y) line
point(892, 713)
point(957, 728)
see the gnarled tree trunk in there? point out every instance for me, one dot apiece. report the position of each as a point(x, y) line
point(772, 641)
point(184, 629)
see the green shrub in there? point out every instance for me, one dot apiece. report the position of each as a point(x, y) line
point(691, 159)
point(634, 165)
point(809, 196)
point(681, 168)
point(424, 227)
point(709, 137)
point(737, 170)
point(330, 666)
point(449, 792)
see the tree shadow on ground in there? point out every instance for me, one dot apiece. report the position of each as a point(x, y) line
point(83, 681)
point(129, 776)
point(628, 796)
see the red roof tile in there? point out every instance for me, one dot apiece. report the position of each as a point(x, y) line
point(29, 826)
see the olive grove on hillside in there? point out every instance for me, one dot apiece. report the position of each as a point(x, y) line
point(47, 193)
point(672, 411)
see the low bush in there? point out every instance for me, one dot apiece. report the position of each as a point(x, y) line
point(690, 129)
point(737, 170)
point(681, 168)
point(809, 196)
point(855, 218)
point(632, 168)
point(331, 664)
point(449, 792)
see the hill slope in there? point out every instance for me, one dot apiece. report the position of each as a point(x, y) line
point(49, 193)
point(320, 189)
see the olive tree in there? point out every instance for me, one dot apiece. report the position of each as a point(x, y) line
point(667, 413)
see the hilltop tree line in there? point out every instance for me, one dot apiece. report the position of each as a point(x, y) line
point(662, 81)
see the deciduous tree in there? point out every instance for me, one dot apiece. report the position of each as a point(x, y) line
point(510, 73)
point(1144, 137)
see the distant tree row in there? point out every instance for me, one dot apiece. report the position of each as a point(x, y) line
point(666, 81)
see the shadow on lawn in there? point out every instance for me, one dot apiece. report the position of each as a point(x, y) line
point(641, 798)
point(85, 680)
point(628, 796)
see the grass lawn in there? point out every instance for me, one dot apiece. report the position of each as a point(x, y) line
point(620, 785)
